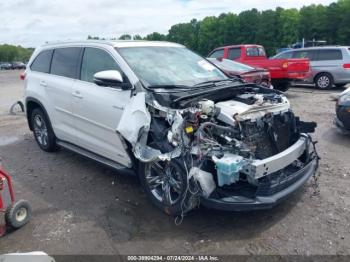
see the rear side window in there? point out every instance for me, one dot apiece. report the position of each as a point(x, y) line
point(234, 53)
point(255, 51)
point(96, 60)
point(329, 54)
point(65, 61)
point(310, 54)
point(217, 54)
point(42, 62)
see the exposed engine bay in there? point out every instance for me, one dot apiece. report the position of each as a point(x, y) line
point(235, 149)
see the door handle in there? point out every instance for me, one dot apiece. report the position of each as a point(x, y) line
point(77, 94)
point(118, 107)
point(43, 83)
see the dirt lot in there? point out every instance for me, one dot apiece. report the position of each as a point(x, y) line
point(80, 207)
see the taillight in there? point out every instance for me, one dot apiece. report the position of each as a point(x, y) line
point(22, 75)
point(346, 66)
point(285, 65)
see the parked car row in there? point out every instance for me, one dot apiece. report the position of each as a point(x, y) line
point(282, 71)
point(12, 66)
point(326, 67)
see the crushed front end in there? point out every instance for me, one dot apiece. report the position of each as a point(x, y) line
point(248, 151)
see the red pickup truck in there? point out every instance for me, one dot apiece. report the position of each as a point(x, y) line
point(283, 71)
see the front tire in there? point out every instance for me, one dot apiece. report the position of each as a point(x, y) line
point(166, 185)
point(42, 130)
point(324, 81)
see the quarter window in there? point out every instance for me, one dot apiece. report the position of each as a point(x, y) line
point(42, 62)
point(255, 51)
point(217, 54)
point(65, 61)
point(330, 54)
point(96, 60)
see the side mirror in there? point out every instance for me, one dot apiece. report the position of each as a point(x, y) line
point(111, 78)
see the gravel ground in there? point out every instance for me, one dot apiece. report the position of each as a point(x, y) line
point(80, 207)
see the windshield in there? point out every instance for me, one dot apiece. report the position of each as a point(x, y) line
point(229, 65)
point(170, 66)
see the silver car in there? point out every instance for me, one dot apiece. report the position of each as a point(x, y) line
point(330, 66)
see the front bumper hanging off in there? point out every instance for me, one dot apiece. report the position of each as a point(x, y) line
point(265, 167)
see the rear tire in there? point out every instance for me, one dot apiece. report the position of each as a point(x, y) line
point(324, 81)
point(42, 130)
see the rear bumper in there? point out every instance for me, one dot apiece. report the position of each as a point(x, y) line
point(238, 203)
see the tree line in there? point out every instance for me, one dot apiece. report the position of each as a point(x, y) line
point(271, 28)
point(11, 53)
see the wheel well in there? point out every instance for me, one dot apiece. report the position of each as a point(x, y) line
point(323, 73)
point(30, 106)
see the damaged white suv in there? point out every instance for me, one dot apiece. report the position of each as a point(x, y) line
point(192, 134)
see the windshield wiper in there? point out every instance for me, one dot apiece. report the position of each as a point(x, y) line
point(169, 87)
point(213, 82)
point(176, 88)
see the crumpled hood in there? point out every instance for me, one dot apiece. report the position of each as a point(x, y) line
point(231, 110)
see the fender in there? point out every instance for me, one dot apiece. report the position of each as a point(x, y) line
point(32, 99)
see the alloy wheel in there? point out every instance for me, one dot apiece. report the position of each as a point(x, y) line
point(164, 182)
point(40, 130)
point(323, 82)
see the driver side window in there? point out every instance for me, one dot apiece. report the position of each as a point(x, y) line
point(96, 60)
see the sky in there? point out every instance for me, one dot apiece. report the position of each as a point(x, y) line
point(33, 22)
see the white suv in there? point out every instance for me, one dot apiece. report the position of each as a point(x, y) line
point(192, 134)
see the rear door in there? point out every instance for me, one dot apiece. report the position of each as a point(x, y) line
point(331, 61)
point(98, 109)
point(59, 84)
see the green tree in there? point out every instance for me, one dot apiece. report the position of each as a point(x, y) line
point(288, 22)
point(137, 37)
point(155, 37)
point(208, 35)
point(267, 31)
point(248, 22)
point(312, 22)
point(10, 53)
point(185, 33)
point(343, 32)
point(125, 37)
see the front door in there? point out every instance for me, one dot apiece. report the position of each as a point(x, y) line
point(98, 109)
